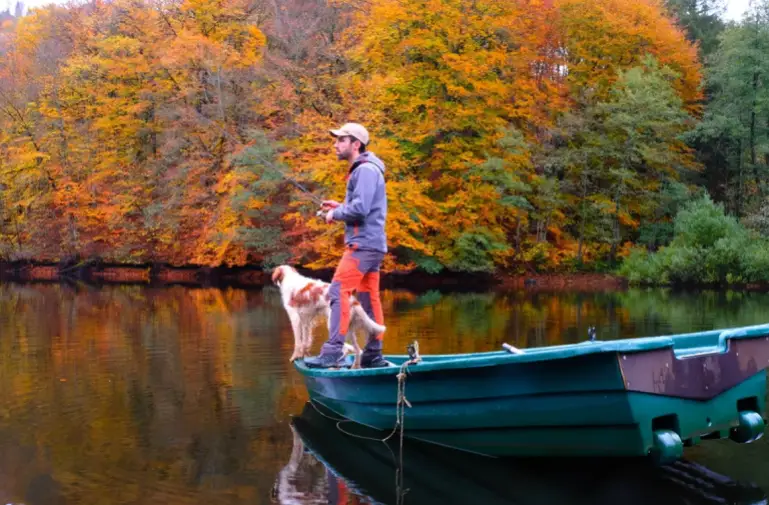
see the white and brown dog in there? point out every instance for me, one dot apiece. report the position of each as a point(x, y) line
point(306, 301)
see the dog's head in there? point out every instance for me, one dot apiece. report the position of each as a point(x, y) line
point(280, 273)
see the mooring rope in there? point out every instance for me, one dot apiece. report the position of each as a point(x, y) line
point(400, 418)
point(400, 423)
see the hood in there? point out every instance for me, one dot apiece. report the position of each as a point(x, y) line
point(369, 157)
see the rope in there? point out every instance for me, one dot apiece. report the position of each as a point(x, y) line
point(400, 418)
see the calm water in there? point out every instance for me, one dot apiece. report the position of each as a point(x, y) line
point(128, 395)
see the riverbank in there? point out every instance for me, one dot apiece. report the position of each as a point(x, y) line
point(98, 273)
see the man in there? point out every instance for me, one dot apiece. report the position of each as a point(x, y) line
point(364, 212)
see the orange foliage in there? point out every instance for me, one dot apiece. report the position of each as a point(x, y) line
point(600, 37)
point(120, 123)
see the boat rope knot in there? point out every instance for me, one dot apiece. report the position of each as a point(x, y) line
point(402, 400)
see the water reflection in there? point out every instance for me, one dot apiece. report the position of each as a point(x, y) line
point(127, 394)
point(359, 465)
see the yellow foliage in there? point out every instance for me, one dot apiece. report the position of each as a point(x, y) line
point(119, 142)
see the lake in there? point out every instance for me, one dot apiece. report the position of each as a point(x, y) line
point(128, 394)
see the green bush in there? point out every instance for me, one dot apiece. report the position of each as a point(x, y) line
point(755, 262)
point(474, 252)
point(640, 267)
point(702, 223)
point(708, 247)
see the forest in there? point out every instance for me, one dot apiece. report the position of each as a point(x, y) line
point(520, 136)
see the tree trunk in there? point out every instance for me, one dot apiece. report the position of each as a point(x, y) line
point(64, 144)
point(582, 219)
point(616, 235)
point(740, 190)
point(753, 162)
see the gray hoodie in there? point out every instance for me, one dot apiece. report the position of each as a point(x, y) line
point(364, 210)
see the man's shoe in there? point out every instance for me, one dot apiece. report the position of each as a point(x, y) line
point(328, 360)
point(376, 361)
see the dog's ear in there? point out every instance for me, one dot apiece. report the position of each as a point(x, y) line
point(277, 275)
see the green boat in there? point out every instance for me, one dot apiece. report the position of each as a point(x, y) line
point(623, 398)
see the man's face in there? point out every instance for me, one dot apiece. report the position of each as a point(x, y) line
point(344, 148)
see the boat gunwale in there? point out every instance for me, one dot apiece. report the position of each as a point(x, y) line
point(440, 362)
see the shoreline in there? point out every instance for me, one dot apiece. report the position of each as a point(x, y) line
point(253, 276)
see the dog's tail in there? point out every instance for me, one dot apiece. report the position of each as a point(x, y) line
point(369, 324)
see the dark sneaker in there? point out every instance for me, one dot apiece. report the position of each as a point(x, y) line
point(375, 361)
point(325, 361)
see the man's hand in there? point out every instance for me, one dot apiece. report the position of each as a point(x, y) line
point(330, 216)
point(329, 204)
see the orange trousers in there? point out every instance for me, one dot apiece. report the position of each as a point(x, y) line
point(358, 271)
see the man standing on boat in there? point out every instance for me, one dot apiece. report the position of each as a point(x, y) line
point(363, 212)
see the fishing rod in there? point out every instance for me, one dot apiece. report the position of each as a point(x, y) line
point(297, 185)
point(269, 164)
point(314, 198)
point(301, 188)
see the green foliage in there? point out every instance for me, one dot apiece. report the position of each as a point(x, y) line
point(709, 247)
point(732, 139)
point(758, 219)
point(702, 223)
point(474, 252)
point(266, 240)
point(509, 187)
point(655, 234)
point(262, 179)
point(620, 158)
point(428, 264)
point(658, 230)
point(701, 20)
point(756, 266)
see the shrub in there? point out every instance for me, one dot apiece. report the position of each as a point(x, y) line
point(709, 247)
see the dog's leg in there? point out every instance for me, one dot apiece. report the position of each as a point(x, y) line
point(307, 329)
point(358, 352)
point(296, 327)
point(352, 338)
point(308, 332)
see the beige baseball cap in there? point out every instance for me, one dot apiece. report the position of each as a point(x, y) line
point(352, 130)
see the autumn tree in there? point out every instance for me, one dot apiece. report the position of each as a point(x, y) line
point(440, 84)
point(461, 96)
point(130, 130)
point(142, 131)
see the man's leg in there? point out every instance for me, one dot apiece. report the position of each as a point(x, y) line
point(346, 279)
point(368, 295)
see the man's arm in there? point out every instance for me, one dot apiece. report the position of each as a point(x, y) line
point(364, 185)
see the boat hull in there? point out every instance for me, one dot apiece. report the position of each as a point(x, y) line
point(622, 398)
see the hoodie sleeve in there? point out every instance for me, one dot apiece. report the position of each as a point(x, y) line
point(361, 196)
